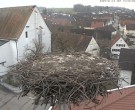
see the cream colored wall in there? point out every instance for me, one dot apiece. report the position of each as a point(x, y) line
point(93, 47)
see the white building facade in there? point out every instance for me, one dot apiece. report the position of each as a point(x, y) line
point(116, 47)
point(13, 50)
point(93, 48)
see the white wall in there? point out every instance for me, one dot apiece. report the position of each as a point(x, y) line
point(120, 41)
point(34, 22)
point(46, 32)
point(13, 51)
point(110, 22)
point(93, 47)
point(8, 54)
point(122, 29)
point(114, 33)
point(126, 75)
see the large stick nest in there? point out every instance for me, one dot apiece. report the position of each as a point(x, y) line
point(65, 78)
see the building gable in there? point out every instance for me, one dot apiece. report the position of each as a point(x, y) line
point(13, 21)
point(120, 43)
point(93, 47)
point(116, 44)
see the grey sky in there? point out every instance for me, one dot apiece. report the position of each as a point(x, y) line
point(68, 3)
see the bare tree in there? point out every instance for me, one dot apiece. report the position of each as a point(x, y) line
point(35, 50)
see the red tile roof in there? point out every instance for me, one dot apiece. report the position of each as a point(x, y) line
point(130, 26)
point(97, 24)
point(127, 22)
point(123, 99)
point(13, 21)
point(117, 101)
point(107, 17)
point(115, 38)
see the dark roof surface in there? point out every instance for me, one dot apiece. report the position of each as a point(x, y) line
point(130, 27)
point(83, 43)
point(127, 22)
point(108, 28)
point(127, 59)
point(97, 24)
point(2, 42)
point(88, 32)
point(13, 21)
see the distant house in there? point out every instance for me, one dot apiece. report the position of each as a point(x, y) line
point(105, 32)
point(85, 31)
point(130, 29)
point(127, 26)
point(127, 21)
point(19, 26)
point(127, 67)
point(97, 24)
point(117, 43)
point(59, 19)
point(93, 48)
point(103, 37)
point(75, 43)
point(109, 19)
point(122, 28)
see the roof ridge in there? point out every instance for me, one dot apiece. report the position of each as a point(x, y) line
point(19, 6)
point(126, 87)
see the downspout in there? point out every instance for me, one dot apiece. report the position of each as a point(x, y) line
point(16, 50)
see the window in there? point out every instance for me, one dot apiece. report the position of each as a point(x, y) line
point(116, 50)
point(2, 63)
point(94, 49)
point(26, 34)
point(27, 26)
point(120, 45)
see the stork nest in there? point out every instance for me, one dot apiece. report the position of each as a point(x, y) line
point(57, 79)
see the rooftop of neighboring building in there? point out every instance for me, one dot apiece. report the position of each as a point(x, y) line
point(108, 28)
point(97, 24)
point(115, 38)
point(127, 59)
point(130, 26)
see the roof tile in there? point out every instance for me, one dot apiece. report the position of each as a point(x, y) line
point(13, 21)
point(115, 38)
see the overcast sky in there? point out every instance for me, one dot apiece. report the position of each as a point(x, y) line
point(67, 3)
